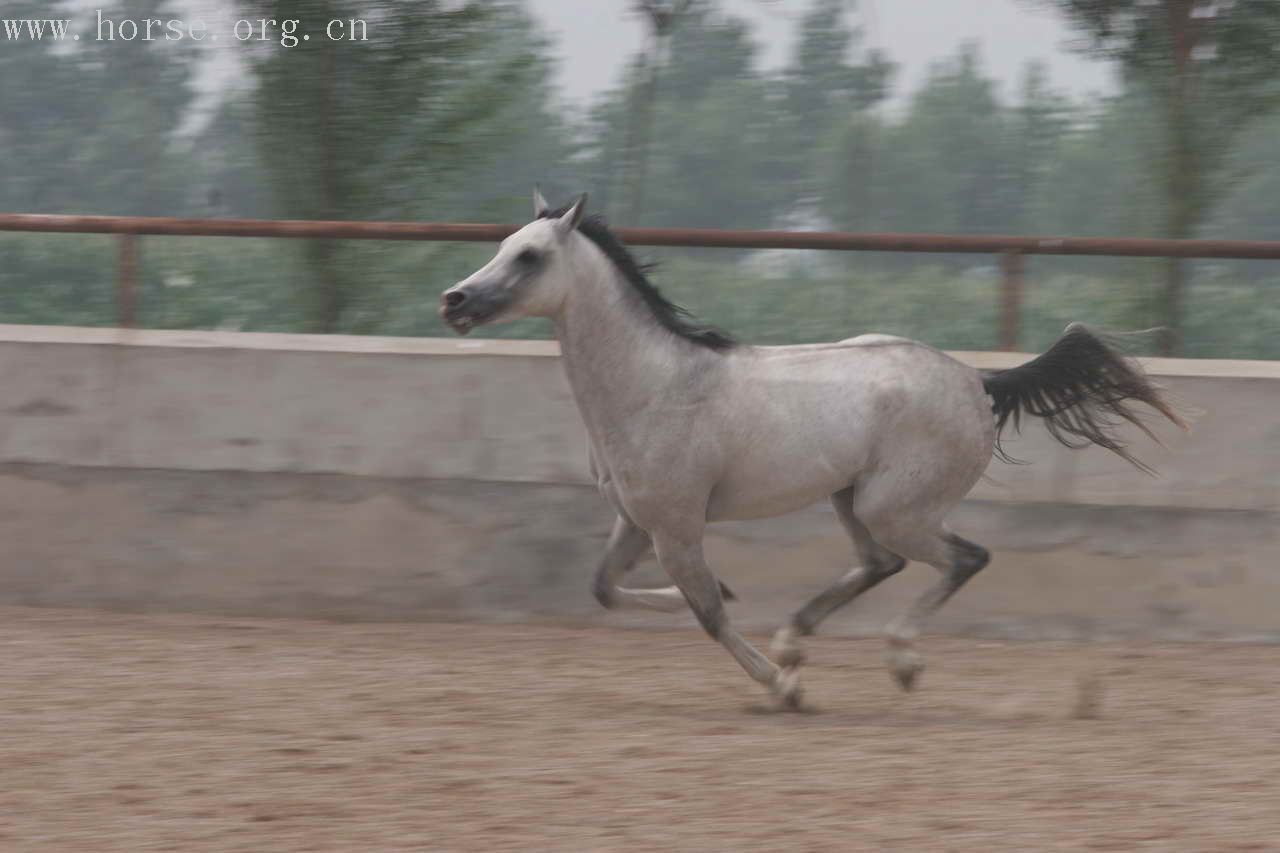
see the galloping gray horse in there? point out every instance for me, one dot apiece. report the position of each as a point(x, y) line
point(688, 427)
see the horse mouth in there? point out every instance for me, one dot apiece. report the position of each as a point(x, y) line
point(460, 323)
point(477, 310)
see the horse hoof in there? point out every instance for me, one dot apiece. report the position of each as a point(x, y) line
point(786, 688)
point(906, 666)
point(786, 652)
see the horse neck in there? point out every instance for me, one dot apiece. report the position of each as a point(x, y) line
point(617, 356)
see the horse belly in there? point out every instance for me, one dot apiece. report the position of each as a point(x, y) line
point(746, 494)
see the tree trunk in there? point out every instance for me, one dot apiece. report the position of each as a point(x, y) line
point(329, 300)
point(326, 293)
point(1183, 180)
point(643, 122)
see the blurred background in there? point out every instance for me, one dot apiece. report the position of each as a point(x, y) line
point(197, 525)
point(1055, 117)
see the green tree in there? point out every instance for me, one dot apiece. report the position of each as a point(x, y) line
point(1252, 211)
point(378, 128)
point(1211, 69)
point(661, 18)
point(851, 163)
point(40, 86)
point(227, 177)
point(1036, 127)
point(830, 87)
point(524, 138)
point(692, 45)
point(1094, 183)
point(90, 126)
point(714, 165)
point(948, 165)
point(708, 46)
point(714, 131)
point(821, 84)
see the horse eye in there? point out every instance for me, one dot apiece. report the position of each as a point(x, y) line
point(528, 257)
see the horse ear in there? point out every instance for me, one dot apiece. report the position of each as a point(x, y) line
point(573, 215)
point(540, 205)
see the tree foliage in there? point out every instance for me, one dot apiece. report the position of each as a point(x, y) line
point(1210, 68)
point(385, 127)
point(91, 126)
point(448, 112)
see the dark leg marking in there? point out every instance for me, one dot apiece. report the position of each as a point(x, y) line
point(967, 559)
point(710, 617)
point(877, 564)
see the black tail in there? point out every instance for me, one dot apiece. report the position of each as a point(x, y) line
point(1080, 388)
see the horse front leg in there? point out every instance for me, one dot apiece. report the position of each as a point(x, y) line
point(681, 557)
point(628, 544)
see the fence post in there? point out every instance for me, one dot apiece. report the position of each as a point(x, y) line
point(1011, 266)
point(127, 281)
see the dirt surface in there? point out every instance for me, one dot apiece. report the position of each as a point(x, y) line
point(133, 733)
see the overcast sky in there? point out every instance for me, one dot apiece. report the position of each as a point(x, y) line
point(595, 37)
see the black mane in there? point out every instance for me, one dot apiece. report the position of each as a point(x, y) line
point(671, 316)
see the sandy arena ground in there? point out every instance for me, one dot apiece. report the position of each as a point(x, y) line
point(133, 733)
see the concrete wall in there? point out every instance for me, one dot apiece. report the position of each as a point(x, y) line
point(392, 478)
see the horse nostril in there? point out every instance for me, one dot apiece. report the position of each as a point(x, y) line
point(454, 298)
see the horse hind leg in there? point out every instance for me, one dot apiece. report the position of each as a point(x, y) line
point(959, 560)
point(877, 563)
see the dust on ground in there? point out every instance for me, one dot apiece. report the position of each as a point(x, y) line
point(185, 733)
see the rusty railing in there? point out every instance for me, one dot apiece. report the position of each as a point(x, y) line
point(1011, 249)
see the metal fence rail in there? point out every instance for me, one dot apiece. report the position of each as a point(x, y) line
point(1012, 249)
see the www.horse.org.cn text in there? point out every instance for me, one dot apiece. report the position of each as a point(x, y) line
point(289, 32)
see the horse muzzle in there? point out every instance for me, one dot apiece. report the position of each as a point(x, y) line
point(463, 309)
